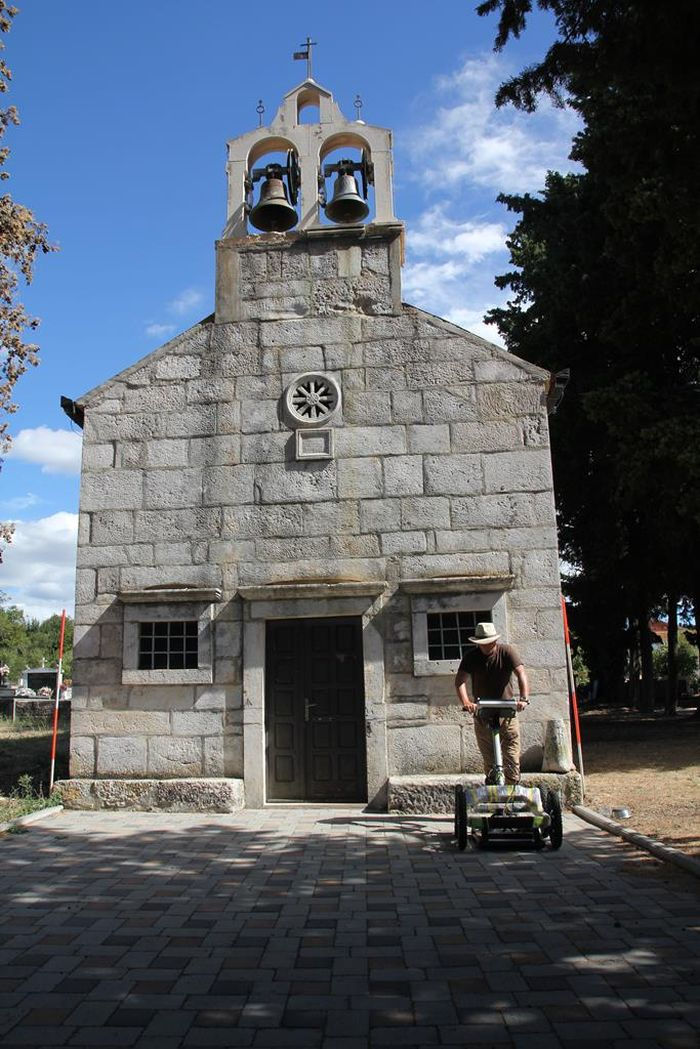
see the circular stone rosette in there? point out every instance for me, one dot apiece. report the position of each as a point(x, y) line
point(312, 399)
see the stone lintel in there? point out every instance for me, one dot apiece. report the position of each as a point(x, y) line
point(296, 591)
point(161, 595)
point(456, 584)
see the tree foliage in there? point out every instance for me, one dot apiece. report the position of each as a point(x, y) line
point(606, 281)
point(31, 643)
point(22, 237)
point(687, 657)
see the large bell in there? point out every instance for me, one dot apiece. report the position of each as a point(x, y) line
point(347, 205)
point(273, 212)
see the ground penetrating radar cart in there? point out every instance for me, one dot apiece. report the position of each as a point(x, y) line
point(501, 812)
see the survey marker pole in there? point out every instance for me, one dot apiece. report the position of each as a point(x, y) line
point(59, 683)
point(572, 693)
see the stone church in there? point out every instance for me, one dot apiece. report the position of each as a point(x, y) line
point(293, 514)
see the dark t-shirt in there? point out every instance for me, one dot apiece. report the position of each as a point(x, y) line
point(491, 674)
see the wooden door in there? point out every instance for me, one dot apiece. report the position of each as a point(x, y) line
point(314, 710)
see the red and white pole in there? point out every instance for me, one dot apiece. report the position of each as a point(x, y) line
point(59, 683)
point(572, 693)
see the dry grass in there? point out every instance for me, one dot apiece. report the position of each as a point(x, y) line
point(657, 778)
point(25, 751)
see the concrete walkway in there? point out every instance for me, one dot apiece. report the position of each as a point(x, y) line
point(330, 928)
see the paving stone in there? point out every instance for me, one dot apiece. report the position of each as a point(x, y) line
point(262, 929)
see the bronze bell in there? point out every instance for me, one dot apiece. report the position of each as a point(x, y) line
point(347, 206)
point(273, 212)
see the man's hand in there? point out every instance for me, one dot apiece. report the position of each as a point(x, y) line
point(521, 703)
point(469, 707)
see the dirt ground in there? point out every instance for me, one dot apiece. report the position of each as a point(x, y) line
point(651, 767)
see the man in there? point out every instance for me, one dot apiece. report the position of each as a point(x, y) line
point(490, 666)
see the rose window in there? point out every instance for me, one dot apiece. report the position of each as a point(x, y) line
point(312, 399)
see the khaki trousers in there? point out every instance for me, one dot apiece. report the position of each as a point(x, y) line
point(510, 746)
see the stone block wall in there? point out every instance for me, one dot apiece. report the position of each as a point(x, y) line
point(441, 471)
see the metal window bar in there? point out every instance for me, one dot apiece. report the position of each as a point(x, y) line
point(449, 632)
point(171, 645)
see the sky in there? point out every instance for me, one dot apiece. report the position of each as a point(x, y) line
point(121, 152)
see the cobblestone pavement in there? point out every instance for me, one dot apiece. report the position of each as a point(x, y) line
point(330, 928)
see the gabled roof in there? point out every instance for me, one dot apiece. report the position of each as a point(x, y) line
point(75, 409)
point(492, 348)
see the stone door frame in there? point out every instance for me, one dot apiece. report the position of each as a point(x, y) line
point(312, 601)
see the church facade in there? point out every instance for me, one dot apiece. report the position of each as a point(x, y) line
point(293, 514)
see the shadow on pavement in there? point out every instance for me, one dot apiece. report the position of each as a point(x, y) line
point(335, 931)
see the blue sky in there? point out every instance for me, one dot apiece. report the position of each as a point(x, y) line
point(121, 151)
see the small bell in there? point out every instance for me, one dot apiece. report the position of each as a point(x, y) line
point(347, 206)
point(273, 212)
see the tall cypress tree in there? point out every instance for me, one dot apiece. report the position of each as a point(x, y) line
point(606, 281)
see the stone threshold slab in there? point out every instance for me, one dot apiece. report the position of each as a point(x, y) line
point(423, 795)
point(149, 795)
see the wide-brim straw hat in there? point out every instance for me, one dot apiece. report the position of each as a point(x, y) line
point(485, 634)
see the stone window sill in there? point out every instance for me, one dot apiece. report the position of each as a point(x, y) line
point(200, 676)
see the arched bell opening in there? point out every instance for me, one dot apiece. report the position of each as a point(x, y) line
point(309, 106)
point(272, 183)
point(345, 181)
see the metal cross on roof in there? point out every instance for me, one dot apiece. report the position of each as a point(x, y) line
point(306, 54)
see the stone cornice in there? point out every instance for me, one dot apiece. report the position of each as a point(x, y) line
point(456, 584)
point(163, 595)
point(282, 591)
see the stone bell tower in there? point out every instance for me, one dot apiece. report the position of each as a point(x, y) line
point(294, 196)
point(294, 514)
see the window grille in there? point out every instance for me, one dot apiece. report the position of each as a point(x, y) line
point(169, 645)
point(449, 632)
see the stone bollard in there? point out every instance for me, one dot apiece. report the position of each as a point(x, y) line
point(556, 756)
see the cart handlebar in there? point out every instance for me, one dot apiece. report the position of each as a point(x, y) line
point(500, 707)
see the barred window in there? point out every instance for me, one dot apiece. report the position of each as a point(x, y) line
point(169, 645)
point(449, 632)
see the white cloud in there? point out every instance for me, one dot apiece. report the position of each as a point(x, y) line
point(38, 571)
point(159, 331)
point(463, 156)
point(436, 234)
point(56, 451)
point(21, 502)
point(505, 150)
point(445, 272)
point(473, 320)
point(187, 300)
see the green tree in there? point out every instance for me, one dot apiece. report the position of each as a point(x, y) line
point(21, 238)
point(606, 281)
point(687, 657)
point(12, 638)
point(45, 637)
point(30, 642)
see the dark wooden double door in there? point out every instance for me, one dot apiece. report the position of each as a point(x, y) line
point(315, 710)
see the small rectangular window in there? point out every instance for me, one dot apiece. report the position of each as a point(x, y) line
point(169, 645)
point(449, 632)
